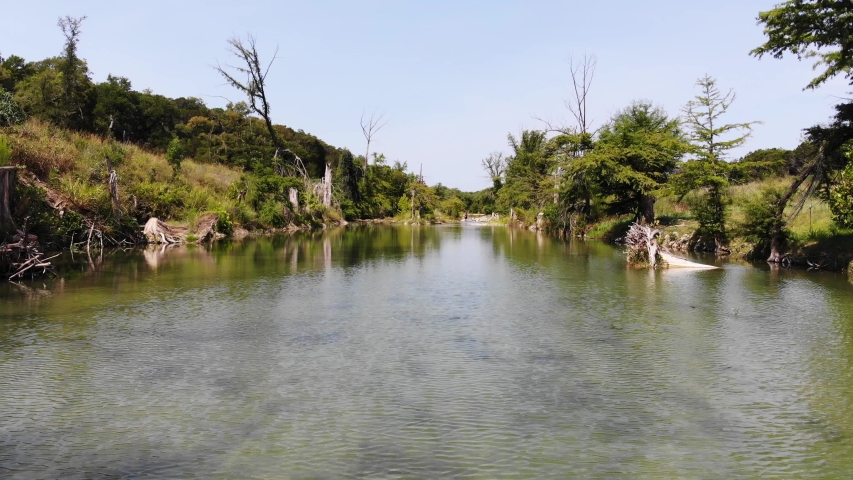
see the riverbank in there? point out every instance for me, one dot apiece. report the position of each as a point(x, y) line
point(813, 239)
point(64, 187)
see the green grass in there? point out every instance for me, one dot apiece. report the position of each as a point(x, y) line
point(74, 165)
point(609, 229)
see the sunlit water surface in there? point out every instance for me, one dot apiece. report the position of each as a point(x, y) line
point(426, 352)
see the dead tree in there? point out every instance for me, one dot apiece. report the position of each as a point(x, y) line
point(369, 128)
point(582, 75)
point(254, 85)
point(327, 186)
point(113, 185)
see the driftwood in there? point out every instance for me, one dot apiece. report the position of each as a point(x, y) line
point(23, 255)
point(643, 249)
point(157, 231)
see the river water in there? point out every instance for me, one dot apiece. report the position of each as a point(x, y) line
point(422, 352)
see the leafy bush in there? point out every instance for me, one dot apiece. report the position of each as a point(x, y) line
point(271, 214)
point(53, 230)
point(10, 111)
point(224, 225)
point(175, 154)
point(453, 207)
point(840, 198)
point(158, 199)
point(760, 219)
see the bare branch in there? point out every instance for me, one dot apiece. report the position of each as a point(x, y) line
point(255, 84)
point(369, 129)
point(582, 75)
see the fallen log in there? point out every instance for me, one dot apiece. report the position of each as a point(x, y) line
point(157, 231)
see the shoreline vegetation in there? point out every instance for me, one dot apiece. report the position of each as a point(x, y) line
point(101, 164)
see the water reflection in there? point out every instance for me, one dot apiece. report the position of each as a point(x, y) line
point(408, 352)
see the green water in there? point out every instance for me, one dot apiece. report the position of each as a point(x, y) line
point(425, 352)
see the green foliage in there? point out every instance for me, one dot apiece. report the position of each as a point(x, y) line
point(349, 175)
point(5, 151)
point(762, 164)
point(116, 152)
point(404, 206)
point(712, 140)
point(821, 29)
point(271, 214)
point(760, 221)
point(157, 199)
point(175, 154)
point(224, 224)
point(633, 158)
point(10, 111)
point(453, 207)
point(526, 173)
point(840, 197)
point(54, 231)
point(710, 209)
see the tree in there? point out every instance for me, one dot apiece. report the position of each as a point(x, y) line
point(712, 141)
point(821, 29)
point(494, 165)
point(840, 196)
point(633, 158)
point(75, 78)
point(175, 154)
point(117, 109)
point(12, 70)
point(527, 172)
point(369, 128)
point(254, 86)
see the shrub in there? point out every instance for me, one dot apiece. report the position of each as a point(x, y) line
point(10, 111)
point(759, 212)
point(840, 198)
point(271, 214)
point(224, 225)
point(175, 154)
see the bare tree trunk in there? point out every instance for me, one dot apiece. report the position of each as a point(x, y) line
point(7, 191)
point(327, 186)
point(647, 209)
point(369, 129)
point(293, 195)
point(113, 185)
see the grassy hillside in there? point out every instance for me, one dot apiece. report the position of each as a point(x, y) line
point(72, 166)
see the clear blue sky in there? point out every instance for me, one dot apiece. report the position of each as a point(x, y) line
point(453, 77)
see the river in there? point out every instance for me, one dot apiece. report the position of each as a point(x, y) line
point(422, 352)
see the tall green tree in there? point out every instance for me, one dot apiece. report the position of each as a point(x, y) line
point(76, 84)
point(712, 140)
point(820, 29)
point(526, 172)
point(635, 154)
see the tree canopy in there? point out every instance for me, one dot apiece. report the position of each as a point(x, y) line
point(820, 29)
